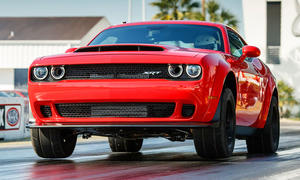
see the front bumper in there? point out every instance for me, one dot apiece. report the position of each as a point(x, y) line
point(123, 125)
point(95, 91)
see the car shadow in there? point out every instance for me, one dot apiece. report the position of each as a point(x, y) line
point(124, 165)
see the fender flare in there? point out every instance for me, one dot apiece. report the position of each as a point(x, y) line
point(269, 92)
point(223, 69)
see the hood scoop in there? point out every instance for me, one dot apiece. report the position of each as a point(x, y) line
point(120, 48)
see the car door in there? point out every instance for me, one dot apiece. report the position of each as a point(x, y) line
point(249, 97)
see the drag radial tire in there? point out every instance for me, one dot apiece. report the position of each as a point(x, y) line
point(125, 145)
point(218, 142)
point(267, 139)
point(53, 143)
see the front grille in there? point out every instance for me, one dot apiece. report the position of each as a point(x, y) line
point(156, 110)
point(117, 71)
point(46, 111)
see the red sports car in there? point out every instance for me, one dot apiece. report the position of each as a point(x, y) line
point(173, 79)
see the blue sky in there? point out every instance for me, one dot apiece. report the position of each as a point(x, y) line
point(114, 10)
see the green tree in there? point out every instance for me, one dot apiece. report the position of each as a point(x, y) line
point(216, 14)
point(184, 9)
point(286, 98)
point(174, 9)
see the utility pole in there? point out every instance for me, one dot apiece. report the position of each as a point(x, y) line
point(203, 9)
point(129, 11)
point(143, 10)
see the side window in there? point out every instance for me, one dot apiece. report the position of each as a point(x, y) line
point(236, 44)
point(110, 40)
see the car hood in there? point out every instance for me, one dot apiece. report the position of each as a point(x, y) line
point(126, 53)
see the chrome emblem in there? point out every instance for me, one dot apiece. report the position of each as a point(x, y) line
point(152, 72)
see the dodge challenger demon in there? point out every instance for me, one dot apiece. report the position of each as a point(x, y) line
point(173, 79)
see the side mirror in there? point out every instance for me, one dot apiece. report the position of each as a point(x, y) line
point(249, 51)
point(70, 50)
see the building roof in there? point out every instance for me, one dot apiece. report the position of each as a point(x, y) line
point(46, 28)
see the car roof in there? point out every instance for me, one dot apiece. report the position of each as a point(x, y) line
point(170, 22)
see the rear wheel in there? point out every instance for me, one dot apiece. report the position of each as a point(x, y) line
point(266, 140)
point(125, 145)
point(53, 143)
point(218, 142)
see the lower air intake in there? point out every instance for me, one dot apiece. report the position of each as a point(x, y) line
point(155, 110)
point(46, 111)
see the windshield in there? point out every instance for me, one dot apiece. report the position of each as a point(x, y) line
point(3, 94)
point(185, 36)
point(25, 94)
point(12, 94)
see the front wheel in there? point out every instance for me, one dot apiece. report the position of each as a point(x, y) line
point(267, 139)
point(53, 143)
point(125, 145)
point(218, 142)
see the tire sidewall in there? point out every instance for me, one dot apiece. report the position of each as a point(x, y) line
point(228, 104)
point(272, 120)
point(53, 143)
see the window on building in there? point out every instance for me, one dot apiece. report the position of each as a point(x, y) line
point(273, 32)
point(21, 76)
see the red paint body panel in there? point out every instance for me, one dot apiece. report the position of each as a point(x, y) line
point(255, 84)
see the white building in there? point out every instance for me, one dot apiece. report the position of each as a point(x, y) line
point(274, 26)
point(24, 39)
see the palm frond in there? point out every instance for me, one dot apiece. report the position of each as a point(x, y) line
point(185, 9)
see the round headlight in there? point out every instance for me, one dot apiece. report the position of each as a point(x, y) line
point(58, 72)
point(40, 73)
point(175, 70)
point(193, 71)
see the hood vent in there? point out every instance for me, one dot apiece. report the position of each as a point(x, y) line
point(120, 48)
